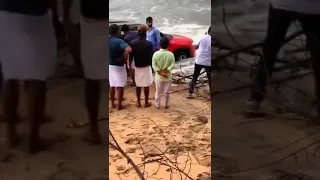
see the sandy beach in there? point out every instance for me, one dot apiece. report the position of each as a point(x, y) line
point(162, 141)
point(186, 126)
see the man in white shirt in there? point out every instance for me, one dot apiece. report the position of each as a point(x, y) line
point(203, 61)
point(281, 14)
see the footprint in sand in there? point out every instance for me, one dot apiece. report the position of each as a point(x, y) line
point(204, 176)
point(122, 169)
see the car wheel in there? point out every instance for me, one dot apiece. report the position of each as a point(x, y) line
point(181, 55)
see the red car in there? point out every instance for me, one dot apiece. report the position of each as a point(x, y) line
point(181, 46)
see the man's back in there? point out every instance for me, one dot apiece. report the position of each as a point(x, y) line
point(203, 56)
point(142, 52)
point(163, 59)
point(116, 49)
point(131, 36)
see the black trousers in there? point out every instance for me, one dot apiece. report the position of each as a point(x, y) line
point(197, 70)
point(278, 23)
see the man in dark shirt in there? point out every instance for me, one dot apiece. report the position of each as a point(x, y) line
point(142, 51)
point(129, 36)
point(26, 56)
point(119, 51)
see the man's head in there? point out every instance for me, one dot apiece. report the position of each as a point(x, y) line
point(209, 31)
point(142, 30)
point(149, 22)
point(114, 30)
point(125, 29)
point(164, 43)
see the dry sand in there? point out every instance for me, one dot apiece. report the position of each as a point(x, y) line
point(179, 137)
point(263, 148)
point(186, 123)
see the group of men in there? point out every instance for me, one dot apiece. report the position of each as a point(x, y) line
point(144, 51)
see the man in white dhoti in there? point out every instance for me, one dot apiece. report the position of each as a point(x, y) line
point(119, 51)
point(94, 26)
point(28, 53)
point(142, 52)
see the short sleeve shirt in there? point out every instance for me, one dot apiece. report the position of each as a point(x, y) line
point(117, 47)
point(203, 54)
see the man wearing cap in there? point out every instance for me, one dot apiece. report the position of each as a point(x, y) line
point(142, 51)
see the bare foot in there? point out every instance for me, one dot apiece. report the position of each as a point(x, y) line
point(123, 99)
point(120, 107)
point(113, 105)
point(147, 104)
point(166, 107)
point(92, 138)
point(138, 104)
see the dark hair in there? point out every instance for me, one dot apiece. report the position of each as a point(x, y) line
point(142, 34)
point(114, 29)
point(164, 42)
point(149, 19)
point(125, 28)
point(209, 30)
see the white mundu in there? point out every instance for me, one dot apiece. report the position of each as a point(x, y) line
point(27, 47)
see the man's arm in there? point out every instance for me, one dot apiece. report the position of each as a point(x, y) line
point(158, 37)
point(125, 47)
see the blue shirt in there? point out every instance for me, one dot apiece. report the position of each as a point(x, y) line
point(131, 36)
point(153, 35)
point(117, 47)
